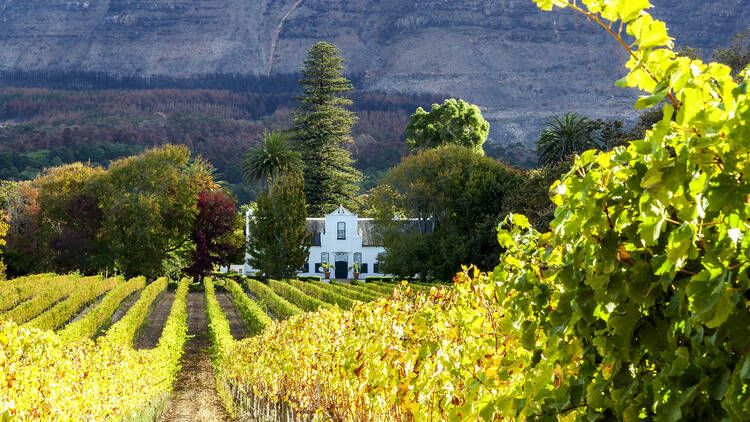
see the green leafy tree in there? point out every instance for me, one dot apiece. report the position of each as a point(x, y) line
point(279, 242)
point(455, 122)
point(563, 137)
point(437, 209)
point(322, 129)
point(149, 205)
point(635, 305)
point(274, 155)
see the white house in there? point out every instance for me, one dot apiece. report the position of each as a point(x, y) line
point(341, 239)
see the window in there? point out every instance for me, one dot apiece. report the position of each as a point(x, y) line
point(364, 269)
point(324, 257)
point(358, 257)
point(341, 234)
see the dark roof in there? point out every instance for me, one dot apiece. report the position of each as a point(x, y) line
point(316, 226)
point(366, 228)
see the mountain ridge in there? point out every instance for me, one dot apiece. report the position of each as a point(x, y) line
point(518, 63)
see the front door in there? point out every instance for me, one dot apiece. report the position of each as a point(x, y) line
point(342, 265)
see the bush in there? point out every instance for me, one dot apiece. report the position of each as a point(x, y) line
point(323, 294)
point(99, 316)
point(631, 307)
point(124, 331)
point(294, 295)
point(280, 307)
point(255, 318)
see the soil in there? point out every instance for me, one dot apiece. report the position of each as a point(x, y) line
point(236, 325)
point(149, 337)
point(194, 397)
point(125, 306)
point(86, 309)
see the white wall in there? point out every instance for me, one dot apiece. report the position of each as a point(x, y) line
point(331, 244)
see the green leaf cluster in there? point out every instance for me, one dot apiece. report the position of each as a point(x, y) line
point(454, 122)
point(636, 303)
point(438, 209)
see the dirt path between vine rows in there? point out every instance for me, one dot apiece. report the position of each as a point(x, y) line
point(194, 397)
point(149, 338)
point(236, 325)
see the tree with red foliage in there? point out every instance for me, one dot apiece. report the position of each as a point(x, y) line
point(213, 233)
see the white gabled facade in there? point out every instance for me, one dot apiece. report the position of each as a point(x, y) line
point(340, 238)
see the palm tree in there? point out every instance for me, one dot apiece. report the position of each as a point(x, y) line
point(563, 137)
point(274, 156)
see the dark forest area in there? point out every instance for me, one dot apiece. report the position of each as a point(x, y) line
point(53, 118)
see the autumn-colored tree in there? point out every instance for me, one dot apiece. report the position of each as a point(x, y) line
point(24, 250)
point(213, 233)
point(3, 231)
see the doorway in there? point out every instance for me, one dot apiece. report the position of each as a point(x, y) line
point(342, 265)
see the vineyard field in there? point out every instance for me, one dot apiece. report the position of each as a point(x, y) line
point(158, 343)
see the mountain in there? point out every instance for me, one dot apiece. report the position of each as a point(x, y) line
point(520, 64)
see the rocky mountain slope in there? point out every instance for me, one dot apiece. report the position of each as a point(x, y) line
point(518, 63)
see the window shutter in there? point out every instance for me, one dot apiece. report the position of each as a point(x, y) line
point(364, 269)
point(318, 269)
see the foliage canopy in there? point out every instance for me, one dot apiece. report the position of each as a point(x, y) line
point(565, 136)
point(278, 242)
point(438, 209)
point(637, 299)
point(272, 157)
point(454, 122)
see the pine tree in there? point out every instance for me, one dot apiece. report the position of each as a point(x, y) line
point(278, 241)
point(322, 129)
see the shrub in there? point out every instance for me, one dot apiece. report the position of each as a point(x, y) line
point(294, 295)
point(280, 307)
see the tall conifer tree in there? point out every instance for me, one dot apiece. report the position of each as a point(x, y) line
point(322, 129)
